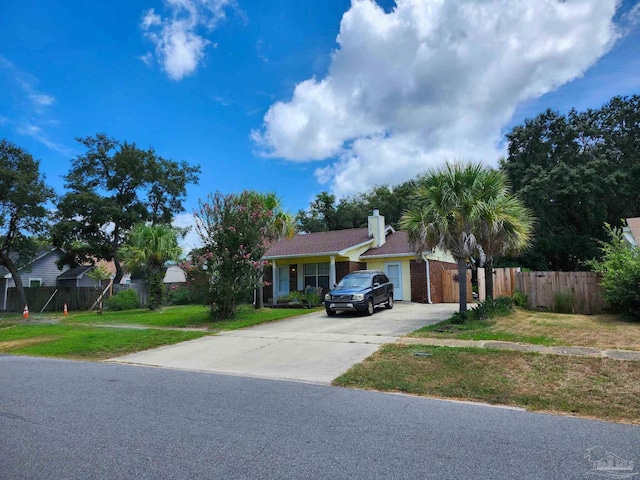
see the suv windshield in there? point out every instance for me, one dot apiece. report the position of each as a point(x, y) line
point(358, 281)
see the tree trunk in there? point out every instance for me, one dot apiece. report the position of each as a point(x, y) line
point(7, 262)
point(488, 279)
point(260, 293)
point(119, 271)
point(155, 288)
point(462, 283)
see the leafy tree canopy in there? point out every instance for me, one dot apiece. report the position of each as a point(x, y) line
point(23, 213)
point(576, 172)
point(111, 187)
point(324, 214)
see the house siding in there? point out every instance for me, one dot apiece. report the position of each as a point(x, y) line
point(44, 268)
point(86, 281)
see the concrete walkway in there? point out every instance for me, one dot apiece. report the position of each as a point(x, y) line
point(525, 347)
point(311, 348)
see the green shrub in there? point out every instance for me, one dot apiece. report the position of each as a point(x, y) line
point(125, 300)
point(620, 271)
point(520, 299)
point(484, 310)
point(180, 296)
point(459, 318)
point(502, 306)
point(312, 299)
point(564, 302)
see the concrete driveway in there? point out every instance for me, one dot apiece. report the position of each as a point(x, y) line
point(311, 348)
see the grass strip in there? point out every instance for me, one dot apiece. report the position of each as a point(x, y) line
point(593, 387)
point(480, 330)
point(186, 316)
point(86, 343)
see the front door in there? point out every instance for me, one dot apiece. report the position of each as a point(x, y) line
point(394, 272)
point(283, 281)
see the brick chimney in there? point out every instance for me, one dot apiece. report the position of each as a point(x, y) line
point(376, 228)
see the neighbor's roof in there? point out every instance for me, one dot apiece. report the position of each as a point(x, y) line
point(634, 227)
point(318, 243)
point(74, 273)
point(396, 243)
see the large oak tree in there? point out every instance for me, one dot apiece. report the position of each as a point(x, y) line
point(576, 172)
point(23, 213)
point(111, 187)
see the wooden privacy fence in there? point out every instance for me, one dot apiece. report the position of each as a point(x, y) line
point(450, 287)
point(577, 292)
point(76, 298)
point(504, 282)
point(140, 289)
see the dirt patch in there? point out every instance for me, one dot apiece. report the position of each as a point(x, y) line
point(601, 331)
point(23, 342)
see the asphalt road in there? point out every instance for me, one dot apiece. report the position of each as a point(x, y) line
point(79, 420)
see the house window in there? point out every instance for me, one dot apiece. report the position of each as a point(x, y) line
point(35, 282)
point(316, 275)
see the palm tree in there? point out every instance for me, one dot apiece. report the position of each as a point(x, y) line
point(505, 229)
point(281, 225)
point(448, 210)
point(147, 249)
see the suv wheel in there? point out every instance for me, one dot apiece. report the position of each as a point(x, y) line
point(330, 312)
point(370, 307)
point(390, 302)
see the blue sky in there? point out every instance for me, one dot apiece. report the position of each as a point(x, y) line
point(263, 96)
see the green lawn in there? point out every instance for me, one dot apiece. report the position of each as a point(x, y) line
point(247, 316)
point(76, 337)
point(83, 342)
point(186, 316)
point(176, 316)
point(594, 387)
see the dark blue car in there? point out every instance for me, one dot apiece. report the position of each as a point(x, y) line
point(360, 291)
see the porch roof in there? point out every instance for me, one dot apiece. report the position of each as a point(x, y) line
point(75, 273)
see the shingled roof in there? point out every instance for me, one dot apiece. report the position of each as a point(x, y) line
point(74, 273)
point(319, 243)
point(396, 243)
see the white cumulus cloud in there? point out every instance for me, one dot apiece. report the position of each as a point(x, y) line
point(429, 81)
point(192, 239)
point(178, 37)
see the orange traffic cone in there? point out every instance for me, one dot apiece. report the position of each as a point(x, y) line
point(25, 312)
point(65, 312)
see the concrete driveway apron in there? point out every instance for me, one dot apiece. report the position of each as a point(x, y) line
point(310, 348)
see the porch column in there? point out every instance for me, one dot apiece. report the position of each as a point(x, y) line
point(275, 281)
point(332, 272)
